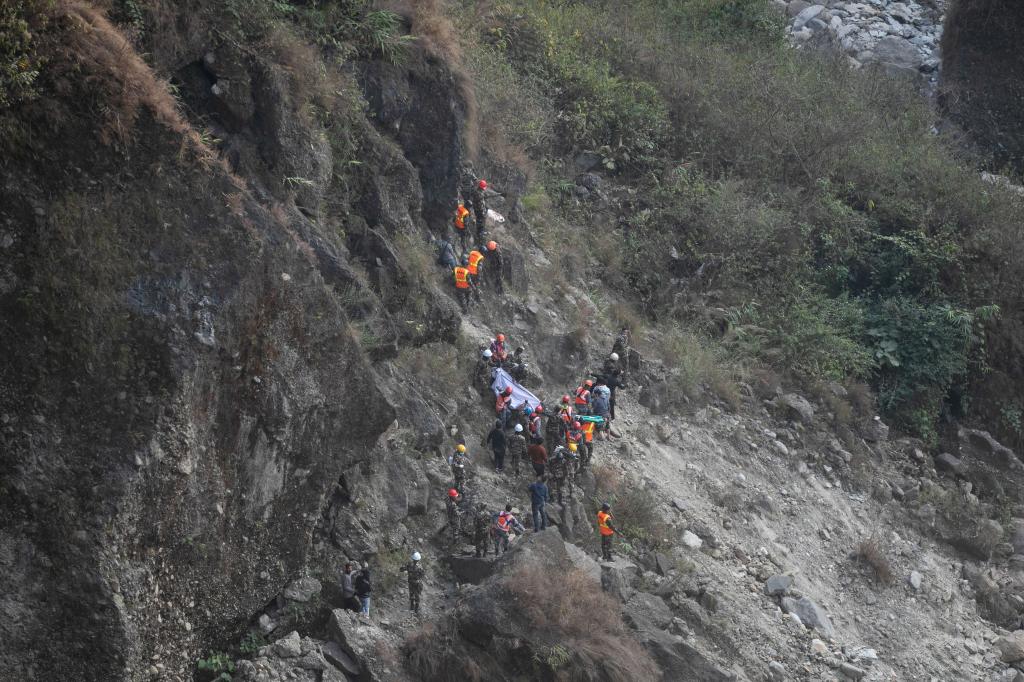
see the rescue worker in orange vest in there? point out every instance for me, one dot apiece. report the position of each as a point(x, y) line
point(587, 450)
point(583, 397)
point(607, 531)
point(475, 264)
point(494, 267)
point(504, 524)
point(461, 213)
point(575, 434)
point(499, 349)
point(503, 407)
point(565, 417)
point(463, 285)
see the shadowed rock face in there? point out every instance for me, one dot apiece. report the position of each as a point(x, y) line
point(982, 63)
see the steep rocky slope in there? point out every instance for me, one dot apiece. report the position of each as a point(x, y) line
point(227, 366)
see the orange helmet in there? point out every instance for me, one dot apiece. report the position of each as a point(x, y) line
point(565, 398)
point(492, 245)
point(501, 338)
point(588, 383)
point(483, 184)
point(508, 390)
point(577, 425)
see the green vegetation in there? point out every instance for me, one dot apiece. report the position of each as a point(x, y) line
point(19, 63)
point(219, 664)
point(251, 643)
point(815, 205)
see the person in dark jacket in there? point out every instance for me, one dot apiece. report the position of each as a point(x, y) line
point(538, 455)
point(496, 439)
point(479, 200)
point(363, 590)
point(538, 500)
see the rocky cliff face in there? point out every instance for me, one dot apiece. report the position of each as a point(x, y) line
point(226, 367)
point(186, 349)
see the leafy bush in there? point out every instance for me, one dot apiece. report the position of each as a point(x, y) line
point(19, 63)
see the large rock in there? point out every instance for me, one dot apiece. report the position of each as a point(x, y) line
point(898, 54)
point(811, 615)
point(619, 578)
point(794, 407)
point(360, 641)
point(1011, 647)
point(583, 561)
point(307, 660)
point(777, 585)
point(470, 569)
point(303, 589)
point(947, 463)
point(806, 15)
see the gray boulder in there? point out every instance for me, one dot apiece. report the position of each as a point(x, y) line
point(897, 53)
point(810, 614)
point(794, 407)
point(288, 646)
point(778, 585)
point(583, 561)
point(303, 589)
point(619, 578)
point(947, 463)
point(1011, 647)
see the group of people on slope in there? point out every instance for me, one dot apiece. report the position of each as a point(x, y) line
point(469, 273)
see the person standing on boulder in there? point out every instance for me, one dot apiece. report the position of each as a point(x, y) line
point(538, 455)
point(479, 200)
point(538, 500)
point(493, 272)
point(416, 574)
point(607, 531)
point(496, 439)
point(348, 590)
point(363, 590)
point(458, 462)
point(481, 530)
point(517, 447)
point(454, 513)
point(464, 288)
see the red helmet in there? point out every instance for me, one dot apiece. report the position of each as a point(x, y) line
point(501, 338)
point(492, 245)
point(577, 425)
point(588, 383)
point(565, 398)
point(453, 493)
point(508, 390)
point(540, 408)
point(483, 184)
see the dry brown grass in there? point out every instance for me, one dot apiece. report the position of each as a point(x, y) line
point(871, 552)
point(434, 654)
point(573, 612)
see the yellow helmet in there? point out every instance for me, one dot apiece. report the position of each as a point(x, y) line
point(572, 446)
point(460, 447)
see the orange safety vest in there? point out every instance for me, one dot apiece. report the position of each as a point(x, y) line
point(565, 413)
point(582, 396)
point(460, 217)
point(503, 521)
point(461, 278)
point(588, 431)
point(502, 402)
point(602, 523)
point(475, 258)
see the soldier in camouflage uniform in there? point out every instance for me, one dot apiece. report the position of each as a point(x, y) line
point(452, 507)
point(481, 530)
point(517, 448)
point(572, 467)
point(458, 462)
point(558, 470)
point(416, 574)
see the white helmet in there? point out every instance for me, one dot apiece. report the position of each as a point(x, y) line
point(519, 428)
point(415, 556)
point(614, 357)
point(487, 353)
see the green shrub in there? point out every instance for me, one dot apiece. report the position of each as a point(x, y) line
point(19, 62)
